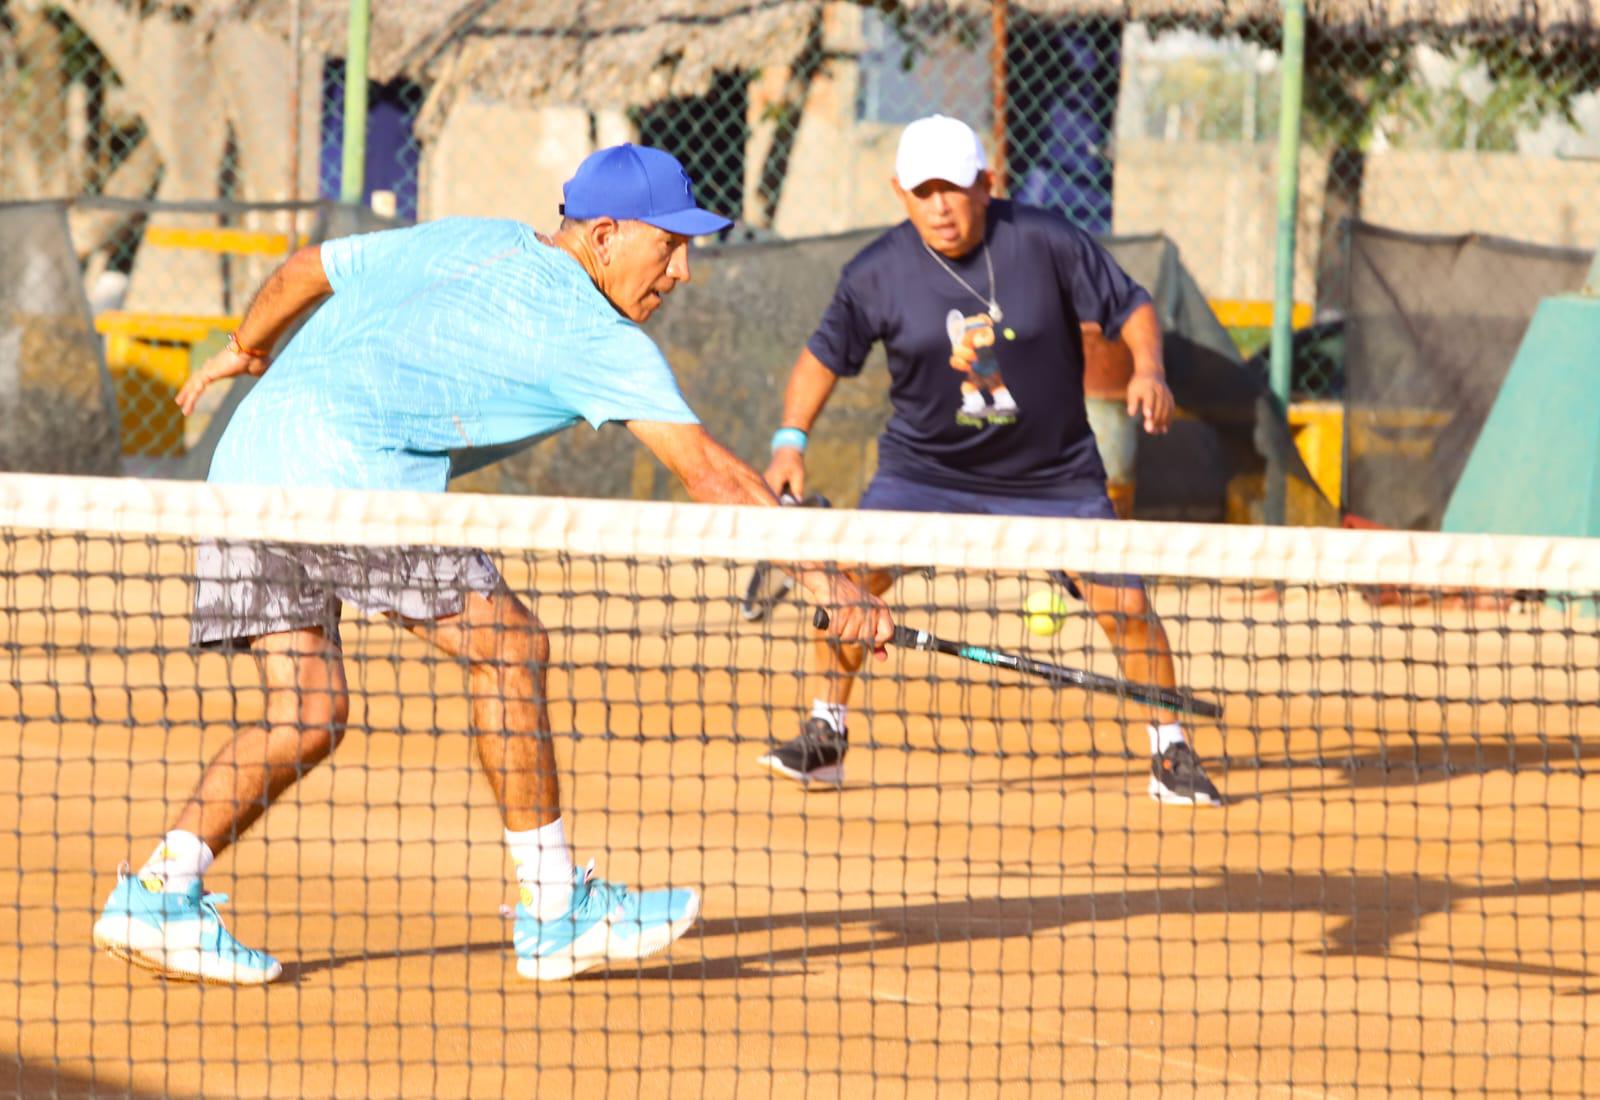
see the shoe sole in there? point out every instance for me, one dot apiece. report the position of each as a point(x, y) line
point(1160, 792)
point(831, 774)
point(595, 947)
point(659, 938)
point(135, 942)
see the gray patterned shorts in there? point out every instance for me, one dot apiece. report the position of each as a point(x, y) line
point(246, 589)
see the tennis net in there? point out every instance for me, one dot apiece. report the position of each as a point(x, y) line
point(1394, 899)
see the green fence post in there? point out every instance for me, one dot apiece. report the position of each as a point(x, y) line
point(1294, 58)
point(353, 175)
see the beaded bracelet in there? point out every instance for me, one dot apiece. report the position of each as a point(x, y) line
point(238, 348)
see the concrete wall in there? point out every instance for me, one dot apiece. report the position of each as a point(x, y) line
point(1217, 202)
point(1544, 200)
point(838, 168)
point(507, 161)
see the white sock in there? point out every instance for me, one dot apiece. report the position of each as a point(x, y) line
point(1003, 400)
point(1164, 737)
point(544, 869)
point(831, 713)
point(178, 861)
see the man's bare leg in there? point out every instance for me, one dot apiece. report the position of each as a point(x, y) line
point(161, 918)
point(1144, 656)
point(817, 754)
point(307, 706)
point(507, 652)
point(566, 923)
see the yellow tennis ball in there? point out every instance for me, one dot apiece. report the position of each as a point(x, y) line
point(1046, 612)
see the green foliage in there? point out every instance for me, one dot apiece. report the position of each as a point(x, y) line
point(1352, 88)
point(1349, 85)
point(81, 59)
point(1212, 98)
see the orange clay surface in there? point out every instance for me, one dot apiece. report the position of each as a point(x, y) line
point(991, 906)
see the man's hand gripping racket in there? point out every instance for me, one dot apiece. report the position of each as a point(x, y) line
point(1150, 694)
point(768, 586)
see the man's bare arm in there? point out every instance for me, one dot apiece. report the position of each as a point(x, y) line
point(1148, 394)
point(298, 284)
point(709, 471)
point(1142, 333)
point(712, 473)
point(810, 384)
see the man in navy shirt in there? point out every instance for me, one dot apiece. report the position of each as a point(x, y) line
point(979, 302)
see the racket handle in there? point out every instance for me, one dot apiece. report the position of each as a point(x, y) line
point(904, 636)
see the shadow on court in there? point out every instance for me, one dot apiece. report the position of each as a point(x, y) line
point(1366, 914)
point(1399, 759)
point(1426, 758)
point(22, 1078)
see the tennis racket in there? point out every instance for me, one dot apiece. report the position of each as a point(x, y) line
point(767, 586)
point(1150, 694)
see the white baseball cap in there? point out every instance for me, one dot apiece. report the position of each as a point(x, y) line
point(938, 148)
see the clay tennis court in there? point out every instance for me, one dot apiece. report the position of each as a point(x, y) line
point(1396, 898)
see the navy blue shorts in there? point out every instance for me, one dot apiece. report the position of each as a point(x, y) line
point(892, 493)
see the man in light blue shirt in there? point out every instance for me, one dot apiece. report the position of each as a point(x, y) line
point(458, 333)
point(463, 333)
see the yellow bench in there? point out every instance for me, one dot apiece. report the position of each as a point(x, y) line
point(148, 356)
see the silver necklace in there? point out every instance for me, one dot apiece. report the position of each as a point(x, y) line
point(993, 301)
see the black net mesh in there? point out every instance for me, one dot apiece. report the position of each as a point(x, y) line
point(988, 898)
point(1394, 899)
point(1434, 323)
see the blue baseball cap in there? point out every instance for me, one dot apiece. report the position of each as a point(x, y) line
point(638, 183)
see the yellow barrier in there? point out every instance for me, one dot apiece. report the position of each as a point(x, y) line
point(166, 328)
point(147, 356)
point(238, 242)
point(1318, 428)
point(1407, 433)
point(1256, 314)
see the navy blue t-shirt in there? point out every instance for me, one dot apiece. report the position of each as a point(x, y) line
point(1019, 427)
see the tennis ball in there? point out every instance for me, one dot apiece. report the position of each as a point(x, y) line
point(1046, 612)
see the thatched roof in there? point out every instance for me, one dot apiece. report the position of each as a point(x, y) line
point(1363, 19)
point(611, 52)
point(596, 52)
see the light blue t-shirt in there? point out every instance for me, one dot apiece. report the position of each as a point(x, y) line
point(461, 333)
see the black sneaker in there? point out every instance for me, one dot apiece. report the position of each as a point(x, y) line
point(1176, 777)
point(816, 756)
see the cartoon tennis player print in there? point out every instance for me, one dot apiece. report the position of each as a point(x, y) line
point(984, 397)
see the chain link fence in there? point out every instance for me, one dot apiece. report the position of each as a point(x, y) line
point(787, 114)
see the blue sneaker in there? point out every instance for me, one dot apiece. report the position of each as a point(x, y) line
point(606, 922)
point(177, 935)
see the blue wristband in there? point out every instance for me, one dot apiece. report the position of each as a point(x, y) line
point(789, 437)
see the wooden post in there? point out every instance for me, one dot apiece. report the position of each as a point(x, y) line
point(294, 123)
point(997, 57)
